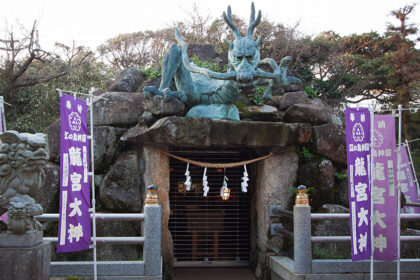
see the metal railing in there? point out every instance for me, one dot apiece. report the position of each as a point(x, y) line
point(346, 216)
point(151, 265)
point(121, 217)
point(302, 236)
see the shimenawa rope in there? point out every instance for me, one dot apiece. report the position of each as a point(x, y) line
point(217, 165)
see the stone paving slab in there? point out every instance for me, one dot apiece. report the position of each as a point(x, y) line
point(105, 268)
point(217, 273)
point(109, 278)
point(282, 268)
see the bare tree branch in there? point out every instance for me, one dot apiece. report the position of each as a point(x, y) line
point(27, 64)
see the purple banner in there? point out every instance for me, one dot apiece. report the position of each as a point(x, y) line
point(4, 217)
point(384, 194)
point(74, 233)
point(408, 183)
point(358, 163)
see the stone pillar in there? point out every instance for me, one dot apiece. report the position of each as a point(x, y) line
point(24, 262)
point(275, 176)
point(157, 173)
point(152, 243)
point(302, 239)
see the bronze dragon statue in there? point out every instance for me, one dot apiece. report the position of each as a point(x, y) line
point(213, 94)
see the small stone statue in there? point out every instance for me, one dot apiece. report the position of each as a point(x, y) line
point(302, 197)
point(20, 220)
point(213, 94)
point(23, 158)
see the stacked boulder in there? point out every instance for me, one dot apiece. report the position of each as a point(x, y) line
point(123, 111)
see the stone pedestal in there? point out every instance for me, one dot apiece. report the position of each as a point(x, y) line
point(20, 240)
point(25, 263)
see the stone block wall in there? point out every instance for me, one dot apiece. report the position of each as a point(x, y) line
point(131, 130)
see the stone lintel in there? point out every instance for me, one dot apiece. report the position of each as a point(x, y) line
point(204, 132)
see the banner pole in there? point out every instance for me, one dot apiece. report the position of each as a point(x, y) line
point(95, 264)
point(371, 110)
point(4, 216)
point(399, 191)
point(412, 167)
point(3, 115)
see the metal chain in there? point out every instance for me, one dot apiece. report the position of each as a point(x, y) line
point(217, 165)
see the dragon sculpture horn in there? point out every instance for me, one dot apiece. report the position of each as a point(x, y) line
point(190, 66)
point(252, 21)
point(229, 22)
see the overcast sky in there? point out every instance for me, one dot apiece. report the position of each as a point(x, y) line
point(91, 22)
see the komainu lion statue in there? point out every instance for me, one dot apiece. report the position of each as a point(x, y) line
point(213, 94)
point(23, 158)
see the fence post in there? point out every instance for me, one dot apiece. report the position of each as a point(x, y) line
point(152, 233)
point(302, 233)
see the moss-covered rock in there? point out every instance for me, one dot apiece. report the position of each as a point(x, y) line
point(121, 189)
point(316, 112)
point(318, 176)
point(330, 141)
point(290, 98)
point(265, 113)
point(121, 109)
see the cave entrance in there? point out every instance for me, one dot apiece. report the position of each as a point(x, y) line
point(210, 231)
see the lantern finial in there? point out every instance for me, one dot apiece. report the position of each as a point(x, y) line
point(152, 197)
point(302, 197)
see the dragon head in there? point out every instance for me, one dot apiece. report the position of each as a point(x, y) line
point(244, 58)
point(244, 53)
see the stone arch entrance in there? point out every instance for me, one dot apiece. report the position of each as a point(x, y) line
point(273, 177)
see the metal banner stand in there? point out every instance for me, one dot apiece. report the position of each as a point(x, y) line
point(91, 173)
point(412, 166)
point(3, 120)
point(371, 111)
point(3, 115)
point(399, 192)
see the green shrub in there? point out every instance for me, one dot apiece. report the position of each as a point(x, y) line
point(307, 154)
point(340, 176)
point(310, 92)
point(208, 64)
point(151, 73)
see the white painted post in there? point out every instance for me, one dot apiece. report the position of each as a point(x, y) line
point(92, 180)
point(412, 168)
point(399, 191)
point(372, 174)
point(3, 115)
